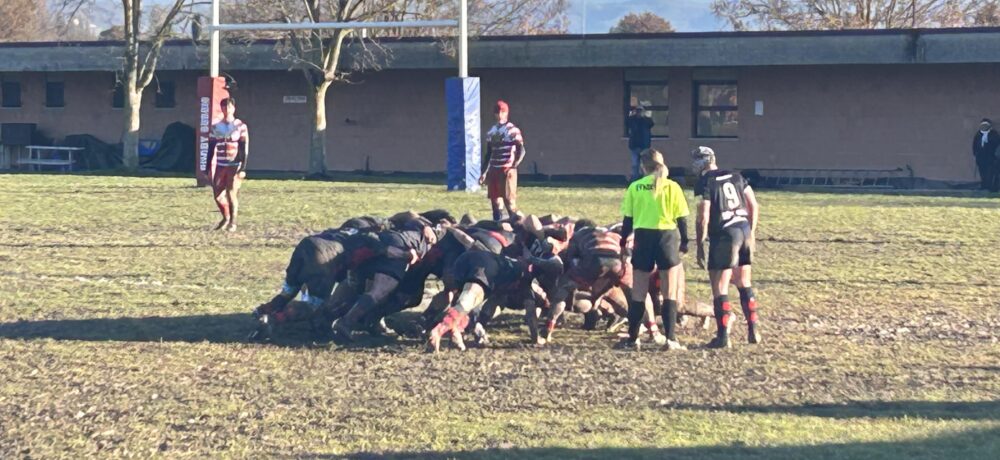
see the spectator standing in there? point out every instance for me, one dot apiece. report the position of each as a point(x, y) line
point(984, 147)
point(639, 126)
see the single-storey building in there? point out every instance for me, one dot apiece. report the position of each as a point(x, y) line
point(865, 100)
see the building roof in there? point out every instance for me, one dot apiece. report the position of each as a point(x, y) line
point(715, 49)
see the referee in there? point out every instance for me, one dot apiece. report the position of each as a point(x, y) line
point(655, 208)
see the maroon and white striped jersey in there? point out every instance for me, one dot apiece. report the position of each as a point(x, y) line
point(227, 137)
point(503, 140)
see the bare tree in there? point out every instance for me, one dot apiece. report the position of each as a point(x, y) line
point(844, 14)
point(22, 20)
point(642, 23)
point(142, 52)
point(317, 53)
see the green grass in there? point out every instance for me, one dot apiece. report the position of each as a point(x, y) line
point(122, 319)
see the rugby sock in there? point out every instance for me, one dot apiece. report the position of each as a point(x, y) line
point(652, 327)
point(749, 304)
point(496, 214)
point(722, 309)
point(636, 308)
point(670, 318)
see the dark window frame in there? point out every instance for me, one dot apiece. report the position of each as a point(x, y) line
point(654, 108)
point(49, 102)
point(166, 99)
point(117, 94)
point(4, 90)
point(697, 107)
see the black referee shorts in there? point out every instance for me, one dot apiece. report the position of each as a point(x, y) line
point(730, 248)
point(655, 249)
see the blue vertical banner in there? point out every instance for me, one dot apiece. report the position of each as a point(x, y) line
point(464, 142)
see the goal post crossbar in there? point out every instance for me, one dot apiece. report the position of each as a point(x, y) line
point(215, 29)
point(334, 25)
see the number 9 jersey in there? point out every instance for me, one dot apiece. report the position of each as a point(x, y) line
point(724, 190)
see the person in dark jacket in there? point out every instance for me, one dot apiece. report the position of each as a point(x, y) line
point(639, 126)
point(984, 146)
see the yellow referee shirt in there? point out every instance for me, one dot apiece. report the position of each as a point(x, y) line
point(654, 211)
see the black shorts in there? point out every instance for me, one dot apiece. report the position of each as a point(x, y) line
point(730, 248)
point(478, 267)
point(655, 248)
point(587, 270)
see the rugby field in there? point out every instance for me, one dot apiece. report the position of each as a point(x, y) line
point(122, 320)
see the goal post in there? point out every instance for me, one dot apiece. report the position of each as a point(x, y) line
point(462, 96)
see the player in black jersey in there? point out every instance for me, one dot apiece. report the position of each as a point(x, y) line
point(402, 248)
point(727, 217)
point(318, 263)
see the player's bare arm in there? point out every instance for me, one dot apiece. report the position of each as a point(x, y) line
point(244, 154)
point(701, 229)
point(518, 154)
point(486, 169)
point(753, 208)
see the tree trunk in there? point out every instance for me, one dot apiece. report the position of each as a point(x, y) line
point(130, 134)
point(317, 143)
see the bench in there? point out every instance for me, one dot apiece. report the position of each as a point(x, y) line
point(43, 155)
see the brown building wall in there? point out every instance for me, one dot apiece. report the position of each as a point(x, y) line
point(814, 116)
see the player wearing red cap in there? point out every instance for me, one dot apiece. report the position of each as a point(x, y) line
point(505, 151)
point(230, 141)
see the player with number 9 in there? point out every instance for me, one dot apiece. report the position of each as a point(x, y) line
point(727, 218)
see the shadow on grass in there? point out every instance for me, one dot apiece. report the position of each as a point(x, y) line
point(967, 444)
point(928, 410)
point(224, 328)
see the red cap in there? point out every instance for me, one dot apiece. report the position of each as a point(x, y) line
point(501, 107)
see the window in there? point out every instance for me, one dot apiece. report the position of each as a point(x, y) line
point(55, 94)
point(11, 94)
point(165, 94)
point(118, 94)
point(652, 96)
point(715, 109)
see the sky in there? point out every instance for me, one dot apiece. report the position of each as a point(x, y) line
point(601, 15)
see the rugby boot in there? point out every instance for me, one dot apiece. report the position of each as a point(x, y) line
point(753, 333)
point(379, 329)
point(265, 329)
point(341, 332)
point(629, 344)
point(482, 339)
point(615, 323)
point(673, 345)
point(231, 228)
point(721, 340)
point(657, 337)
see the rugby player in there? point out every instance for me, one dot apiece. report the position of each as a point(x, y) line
point(481, 274)
point(727, 217)
point(318, 263)
point(505, 152)
point(230, 141)
point(403, 248)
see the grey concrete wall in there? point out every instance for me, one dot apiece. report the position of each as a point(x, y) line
point(814, 116)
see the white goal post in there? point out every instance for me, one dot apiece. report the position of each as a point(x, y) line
point(215, 29)
point(462, 93)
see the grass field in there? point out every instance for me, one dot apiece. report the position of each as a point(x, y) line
point(122, 320)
